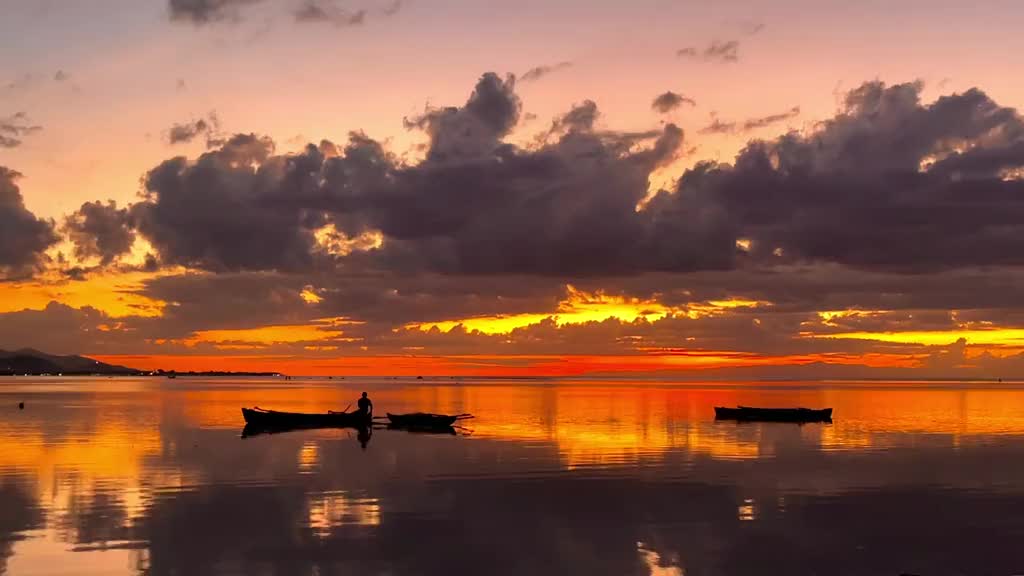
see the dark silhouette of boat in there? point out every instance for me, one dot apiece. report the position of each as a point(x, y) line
point(424, 429)
point(746, 413)
point(261, 419)
point(425, 420)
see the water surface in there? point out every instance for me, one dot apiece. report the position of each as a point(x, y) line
point(151, 476)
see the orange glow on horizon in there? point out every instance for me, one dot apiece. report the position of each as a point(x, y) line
point(496, 365)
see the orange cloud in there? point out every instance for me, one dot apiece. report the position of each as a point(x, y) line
point(114, 293)
point(242, 338)
point(581, 307)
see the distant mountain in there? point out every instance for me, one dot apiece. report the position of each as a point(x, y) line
point(34, 362)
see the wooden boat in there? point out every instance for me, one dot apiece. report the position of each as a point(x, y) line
point(773, 414)
point(272, 419)
point(424, 429)
point(425, 420)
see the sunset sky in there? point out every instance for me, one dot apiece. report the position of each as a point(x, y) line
point(784, 189)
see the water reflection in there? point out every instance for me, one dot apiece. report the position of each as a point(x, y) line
point(150, 477)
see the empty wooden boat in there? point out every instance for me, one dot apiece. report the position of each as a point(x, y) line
point(425, 420)
point(272, 419)
point(747, 413)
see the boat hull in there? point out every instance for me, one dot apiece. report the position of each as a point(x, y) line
point(745, 413)
point(421, 420)
point(424, 429)
point(273, 420)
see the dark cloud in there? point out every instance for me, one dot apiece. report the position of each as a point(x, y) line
point(14, 128)
point(873, 187)
point(580, 117)
point(719, 126)
point(475, 129)
point(751, 28)
point(763, 121)
point(890, 184)
point(186, 132)
point(539, 72)
point(100, 230)
point(206, 11)
point(59, 329)
point(328, 11)
point(61, 76)
point(23, 237)
point(235, 207)
point(200, 12)
point(717, 51)
point(669, 101)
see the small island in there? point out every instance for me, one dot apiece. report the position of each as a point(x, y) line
point(32, 362)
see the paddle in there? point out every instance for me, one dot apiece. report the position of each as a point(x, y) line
point(342, 412)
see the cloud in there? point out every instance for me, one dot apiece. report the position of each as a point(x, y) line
point(475, 129)
point(751, 28)
point(669, 101)
point(208, 127)
point(328, 11)
point(14, 128)
point(890, 184)
point(755, 123)
point(100, 230)
point(232, 208)
point(719, 126)
point(201, 12)
point(61, 76)
point(538, 72)
point(716, 51)
point(23, 237)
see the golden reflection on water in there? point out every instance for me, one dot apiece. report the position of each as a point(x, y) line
point(134, 443)
point(330, 510)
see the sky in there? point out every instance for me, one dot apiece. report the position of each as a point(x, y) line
point(689, 189)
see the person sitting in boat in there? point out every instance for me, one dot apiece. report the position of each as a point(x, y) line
point(365, 406)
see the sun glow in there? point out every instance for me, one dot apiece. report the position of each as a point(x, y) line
point(1013, 337)
point(337, 243)
point(117, 294)
point(324, 329)
point(581, 307)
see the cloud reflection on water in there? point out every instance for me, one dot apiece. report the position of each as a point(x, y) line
point(556, 479)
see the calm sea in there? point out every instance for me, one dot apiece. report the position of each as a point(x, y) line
point(152, 476)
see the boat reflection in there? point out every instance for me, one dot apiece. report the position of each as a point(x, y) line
point(599, 479)
point(364, 433)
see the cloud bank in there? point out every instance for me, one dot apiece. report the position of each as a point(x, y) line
point(911, 212)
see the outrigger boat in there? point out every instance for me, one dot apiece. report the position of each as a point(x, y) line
point(746, 413)
point(425, 420)
point(271, 419)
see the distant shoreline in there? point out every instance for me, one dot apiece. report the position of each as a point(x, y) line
point(206, 374)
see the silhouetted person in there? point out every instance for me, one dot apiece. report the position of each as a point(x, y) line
point(365, 406)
